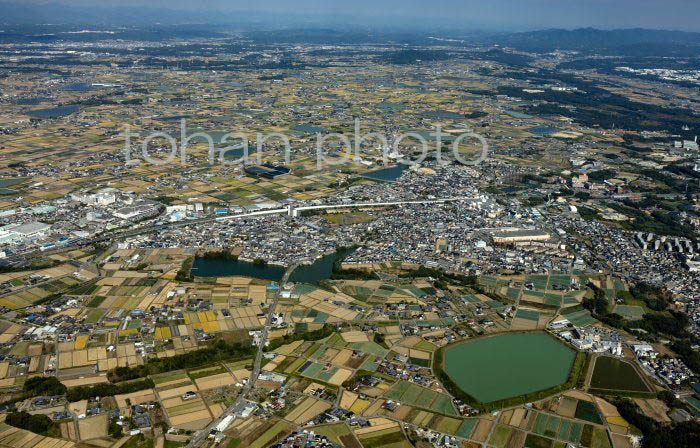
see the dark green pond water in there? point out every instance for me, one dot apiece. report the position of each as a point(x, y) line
point(54, 112)
point(544, 130)
point(507, 365)
point(613, 373)
point(387, 174)
point(31, 101)
point(313, 273)
point(310, 129)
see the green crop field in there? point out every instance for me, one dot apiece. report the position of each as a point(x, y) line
point(585, 410)
point(500, 436)
point(615, 374)
point(419, 396)
point(466, 428)
point(528, 315)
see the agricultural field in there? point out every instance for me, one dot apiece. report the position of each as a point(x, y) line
point(415, 395)
point(614, 374)
point(92, 427)
point(382, 432)
point(271, 434)
point(306, 410)
point(11, 436)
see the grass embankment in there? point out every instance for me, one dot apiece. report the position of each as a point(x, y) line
point(576, 379)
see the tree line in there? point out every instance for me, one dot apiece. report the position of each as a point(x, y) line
point(220, 350)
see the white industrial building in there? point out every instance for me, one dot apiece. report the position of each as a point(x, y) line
point(16, 233)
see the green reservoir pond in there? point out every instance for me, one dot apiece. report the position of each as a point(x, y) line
point(321, 269)
point(507, 365)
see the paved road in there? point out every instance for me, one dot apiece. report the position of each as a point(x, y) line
point(82, 242)
point(202, 434)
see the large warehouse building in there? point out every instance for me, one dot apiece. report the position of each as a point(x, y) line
point(515, 235)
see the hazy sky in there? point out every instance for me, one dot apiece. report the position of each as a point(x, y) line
point(521, 14)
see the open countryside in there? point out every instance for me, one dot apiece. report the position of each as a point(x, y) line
point(322, 224)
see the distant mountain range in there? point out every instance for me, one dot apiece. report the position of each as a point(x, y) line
point(18, 13)
point(623, 41)
point(19, 20)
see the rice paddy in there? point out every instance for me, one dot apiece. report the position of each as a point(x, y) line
point(415, 395)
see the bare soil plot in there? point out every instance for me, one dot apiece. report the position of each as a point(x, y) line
point(356, 362)
point(355, 336)
point(185, 408)
point(11, 437)
point(466, 444)
point(347, 399)
point(374, 409)
point(505, 417)
point(655, 409)
point(340, 377)
point(402, 412)
point(411, 341)
point(567, 407)
point(78, 408)
point(35, 350)
point(377, 425)
point(606, 408)
point(517, 417)
point(329, 354)
point(517, 439)
point(419, 354)
point(103, 443)
point(48, 411)
point(482, 430)
point(241, 374)
point(578, 395)
point(307, 410)
point(89, 381)
point(617, 429)
point(349, 441)
point(139, 397)
point(211, 382)
point(216, 409)
point(621, 441)
point(289, 348)
point(313, 411)
point(192, 420)
point(372, 391)
point(65, 432)
point(177, 391)
point(523, 324)
point(93, 427)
